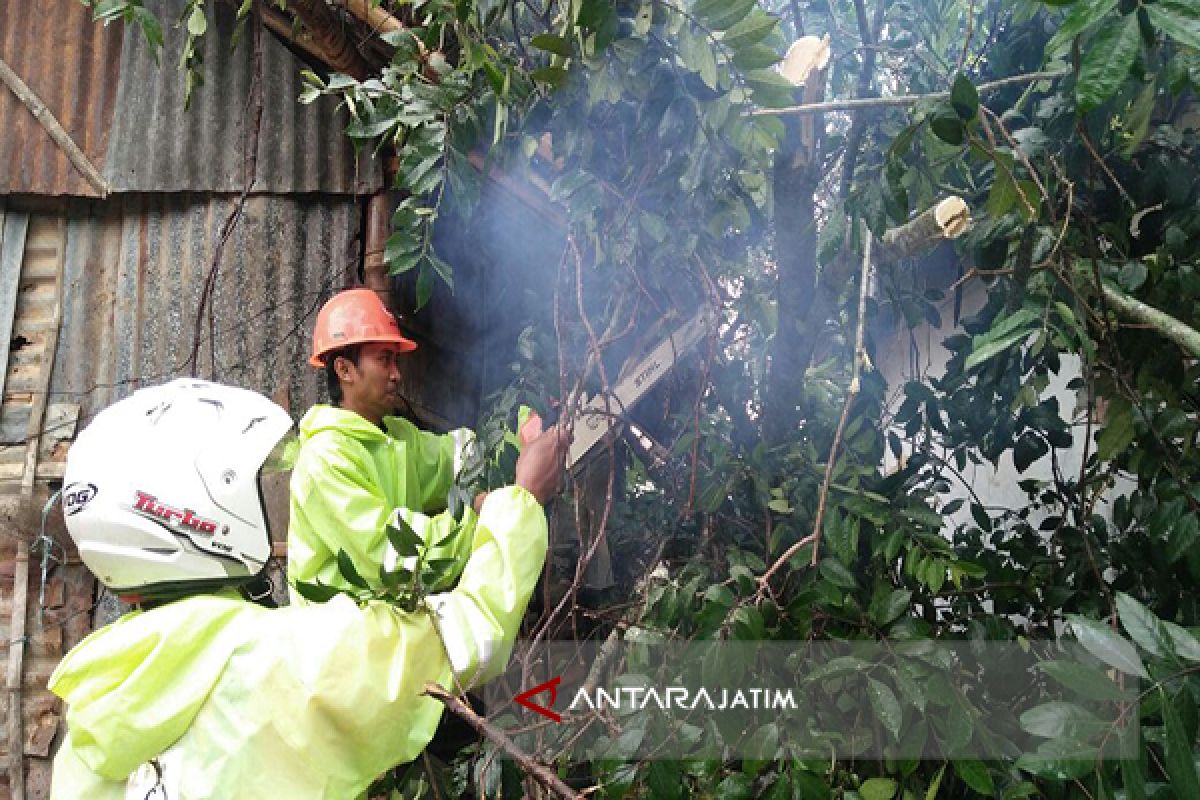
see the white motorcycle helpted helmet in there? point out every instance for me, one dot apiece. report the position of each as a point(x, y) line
point(161, 493)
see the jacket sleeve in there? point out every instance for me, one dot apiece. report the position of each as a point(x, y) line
point(436, 457)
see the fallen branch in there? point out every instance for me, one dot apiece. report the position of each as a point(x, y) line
point(53, 127)
point(946, 220)
point(539, 772)
point(1181, 334)
point(860, 104)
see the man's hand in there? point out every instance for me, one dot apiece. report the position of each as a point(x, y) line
point(540, 465)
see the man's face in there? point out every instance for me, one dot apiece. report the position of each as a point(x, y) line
point(371, 387)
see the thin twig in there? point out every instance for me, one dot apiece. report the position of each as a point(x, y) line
point(539, 772)
point(1091, 148)
point(903, 99)
point(53, 128)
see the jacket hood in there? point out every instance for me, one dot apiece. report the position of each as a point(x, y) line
point(133, 687)
point(321, 417)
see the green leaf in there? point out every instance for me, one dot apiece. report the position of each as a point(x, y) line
point(886, 706)
point(1183, 643)
point(1142, 625)
point(308, 94)
point(697, 55)
point(316, 592)
point(665, 779)
point(1084, 14)
point(932, 793)
point(751, 30)
point(747, 624)
point(780, 505)
point(837, 574)
point(403, 539)
point(151, 29)
point(1106, 645)
point(1003, 194)
point(443, 270)
point(886, 608)
point(1107, 61)
point(555, 77)
point(1118, 432)
point(878, 789)
point(948, 128)
point(1132, 275)
point(1181, 768)
point(1002, 335)
point(1083, 680)
point(1178, 19)
point(424, 286)
point(339, 80)
point(349, 571)
point(965, 98)
point(197, 23)
point(758, 56)
point(1059, 720)
point(976, 775)
point(735, 787)
point(723, 14)
point(369, 129)
point(1028, 449)
point(552, 44)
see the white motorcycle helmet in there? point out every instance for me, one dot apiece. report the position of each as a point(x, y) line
point(161, 492)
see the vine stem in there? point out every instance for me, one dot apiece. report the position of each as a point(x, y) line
point(860, 356)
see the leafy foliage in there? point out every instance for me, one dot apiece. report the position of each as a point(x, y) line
point(1083, 183)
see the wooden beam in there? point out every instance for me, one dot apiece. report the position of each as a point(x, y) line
point(37, 411)
point(379, 20)
point(13, 227)
point(16, 661)
point(328, 34)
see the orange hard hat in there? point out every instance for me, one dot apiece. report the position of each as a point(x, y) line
point(355, 316)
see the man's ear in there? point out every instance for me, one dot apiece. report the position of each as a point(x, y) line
point(343, 368)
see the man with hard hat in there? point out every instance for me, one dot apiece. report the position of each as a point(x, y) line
point(358, 465)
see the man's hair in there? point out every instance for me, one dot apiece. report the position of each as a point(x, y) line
point(350, 353)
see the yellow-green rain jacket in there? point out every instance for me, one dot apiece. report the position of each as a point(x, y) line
point(305, 702)
point(350, 477)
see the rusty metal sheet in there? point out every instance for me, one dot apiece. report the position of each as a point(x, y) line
point(71, 64)
point(157, 146)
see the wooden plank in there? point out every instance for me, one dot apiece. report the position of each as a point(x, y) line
point(16, 654)
point(37, 414)
point(12, 253)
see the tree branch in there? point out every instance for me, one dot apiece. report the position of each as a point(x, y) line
point(539, 772)
point(946, 220)
point(1183, 335)
point(903, 99)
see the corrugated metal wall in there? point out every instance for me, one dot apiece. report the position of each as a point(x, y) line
point(135, 270)
point(71, 64)
point(156, 146)
point(125, 110)
point(102, 297)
